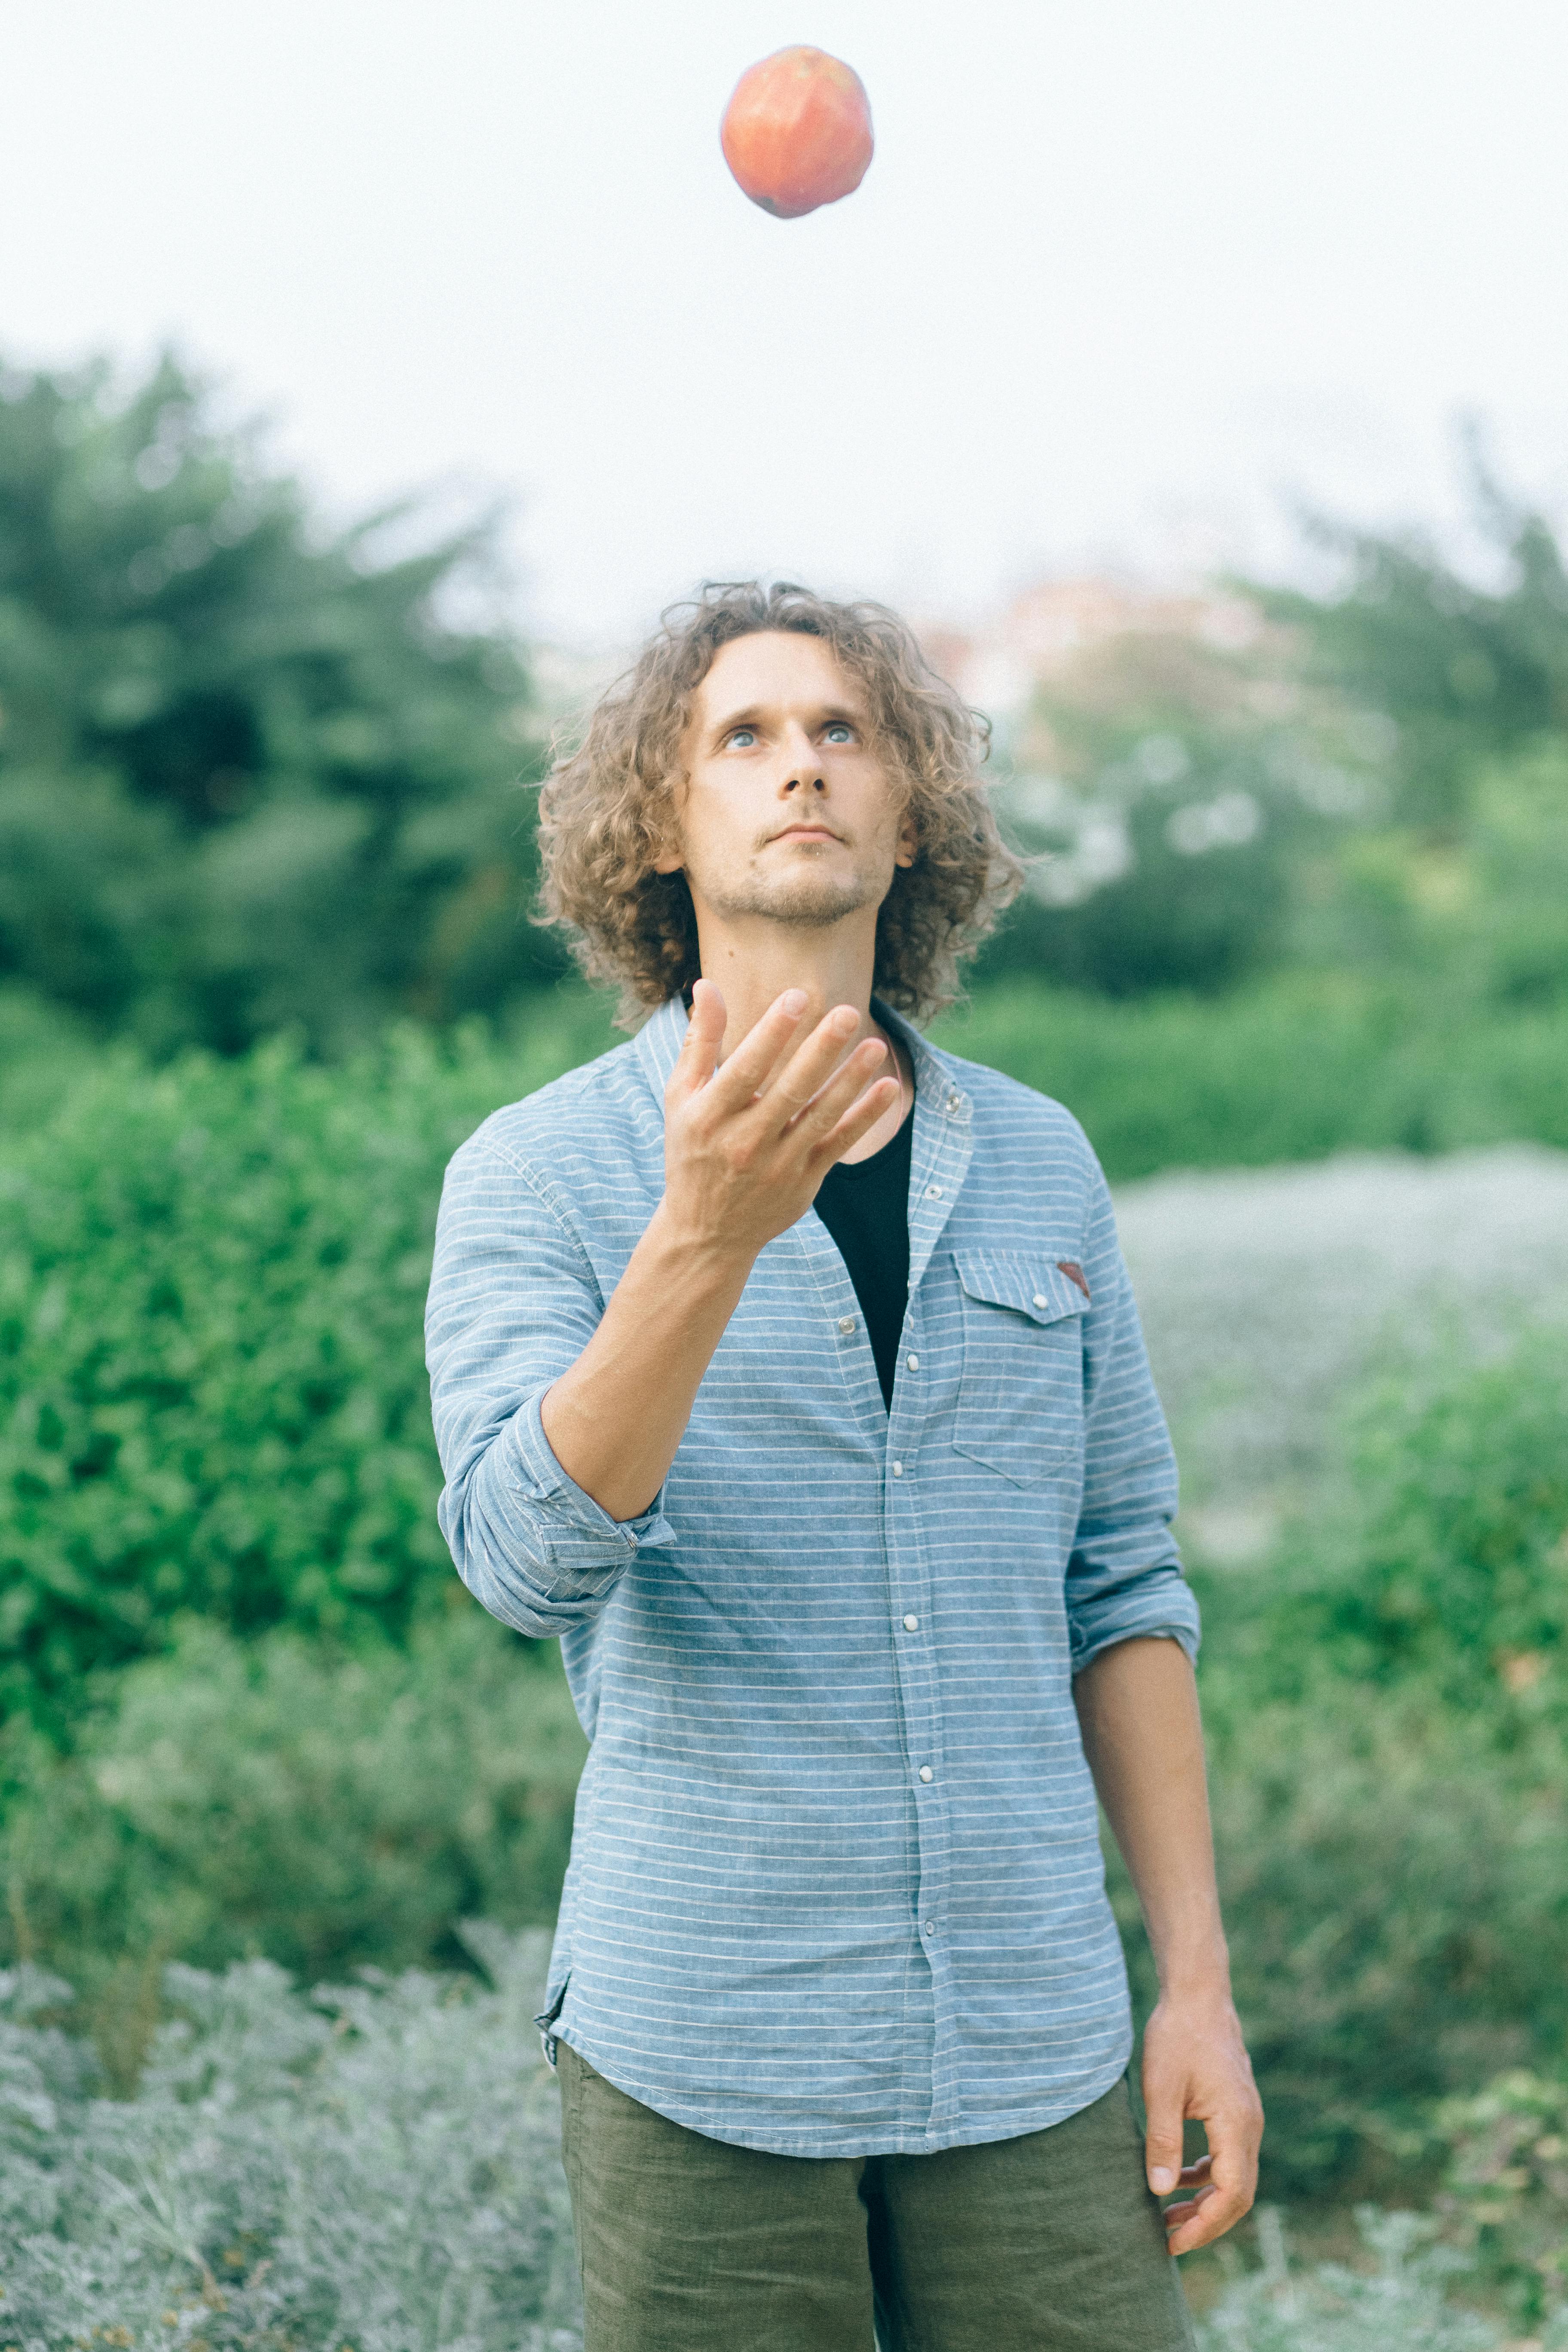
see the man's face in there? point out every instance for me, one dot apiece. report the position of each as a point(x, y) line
point(788, 813)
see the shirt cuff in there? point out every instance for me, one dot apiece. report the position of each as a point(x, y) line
point(1166, 1608)
point(587, 1547)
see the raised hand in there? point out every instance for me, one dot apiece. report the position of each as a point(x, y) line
point(746, 1145)
point(748, 1141)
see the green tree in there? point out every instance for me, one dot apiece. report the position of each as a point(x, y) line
point(1169, 796)
point(1467, 672)
point(251, 772)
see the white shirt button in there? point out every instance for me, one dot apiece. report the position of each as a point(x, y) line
point(1039, 1301)
point(846, 1322)
point(933, 1191)
point(898, 1469)
point(926, 1773)
point(913, 1362)
point(929, 1927)
point(911, 1624)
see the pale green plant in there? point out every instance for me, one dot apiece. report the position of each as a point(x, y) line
point(1402, 2301)
point(373, 2167)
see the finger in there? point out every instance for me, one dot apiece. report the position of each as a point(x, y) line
point(748, 1068)
point(1178, 2212)
point(859, 1120)
point(814, 1063)
point(1193, 2173)
point(824, 1109)
point(704, 1039)
point(1162, 2141)
point(1210, 2214)
point(1228, 2191)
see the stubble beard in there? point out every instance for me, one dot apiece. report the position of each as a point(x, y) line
point(798, 902)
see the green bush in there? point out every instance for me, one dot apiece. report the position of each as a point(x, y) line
point(1396, 1899)
point(1293, 1068)
point(44, 1052)
point(1460, 1564)
point(1506, 2195)
point(1388, 1732)
point(327, 1809)
point(212, 1384)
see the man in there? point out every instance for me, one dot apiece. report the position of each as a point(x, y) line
point(786, 1369)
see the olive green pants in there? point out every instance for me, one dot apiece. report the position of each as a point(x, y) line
point(1037, 2244)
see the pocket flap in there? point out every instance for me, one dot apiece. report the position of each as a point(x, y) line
point(1039, 1289)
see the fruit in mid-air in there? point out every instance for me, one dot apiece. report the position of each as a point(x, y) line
point(797, 131)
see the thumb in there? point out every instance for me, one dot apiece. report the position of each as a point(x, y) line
point(1163, 2143)
point(704, 1037)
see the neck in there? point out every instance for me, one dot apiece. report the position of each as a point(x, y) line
point(755, 960)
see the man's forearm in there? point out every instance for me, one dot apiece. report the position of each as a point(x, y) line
point(1138, 1708)
point(615, 1420)
point(1137, 1705)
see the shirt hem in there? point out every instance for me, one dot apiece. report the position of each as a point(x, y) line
point(930, 2142)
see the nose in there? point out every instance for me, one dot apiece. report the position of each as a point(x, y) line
point(802, 775)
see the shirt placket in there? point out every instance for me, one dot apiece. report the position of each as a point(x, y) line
point(938, 1163)
point(939, 1160)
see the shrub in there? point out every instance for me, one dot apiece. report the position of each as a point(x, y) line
point(1395, 1899)
point(232, 1800)
point(1400, 2304)
point(212, 1382)
point(1506, 2187)
point(1388, 1742)
point(1293, 1068)
point(1459, 1567)
point(376, 2164)
point(372, 2165)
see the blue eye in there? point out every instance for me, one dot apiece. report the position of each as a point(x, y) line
point(744, 738)
point(840, 733)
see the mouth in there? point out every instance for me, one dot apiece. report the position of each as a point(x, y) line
point(807, 833)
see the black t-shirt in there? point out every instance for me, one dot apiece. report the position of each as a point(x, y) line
point(865, 1208)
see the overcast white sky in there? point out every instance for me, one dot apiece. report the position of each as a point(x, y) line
point(1123, 280)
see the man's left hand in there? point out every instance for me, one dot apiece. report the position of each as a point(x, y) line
point(1195, 2064)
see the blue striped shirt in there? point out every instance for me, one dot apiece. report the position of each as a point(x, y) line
point(835, 1885)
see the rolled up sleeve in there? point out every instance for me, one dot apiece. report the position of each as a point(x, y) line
point(513, 1302)
point(1124, 1576)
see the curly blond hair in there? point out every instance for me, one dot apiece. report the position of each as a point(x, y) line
point(608, 807)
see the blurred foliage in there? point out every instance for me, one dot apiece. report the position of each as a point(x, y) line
point(1298, 1064)
point(384, 2157)
point(379, 2157)
point(251, 773)
point(1386, 1702)
point(1460, 1569)
point(1169, 791)
point(212, 1382)
point(1375, 776)
point(1507, 2187)
point(1464, 672)
point(330, 1807)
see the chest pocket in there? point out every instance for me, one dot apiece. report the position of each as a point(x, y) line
point(1020, 1408)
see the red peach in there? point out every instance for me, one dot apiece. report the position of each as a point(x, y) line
point(797, 131)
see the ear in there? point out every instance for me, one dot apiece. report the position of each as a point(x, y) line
point(909, 843)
